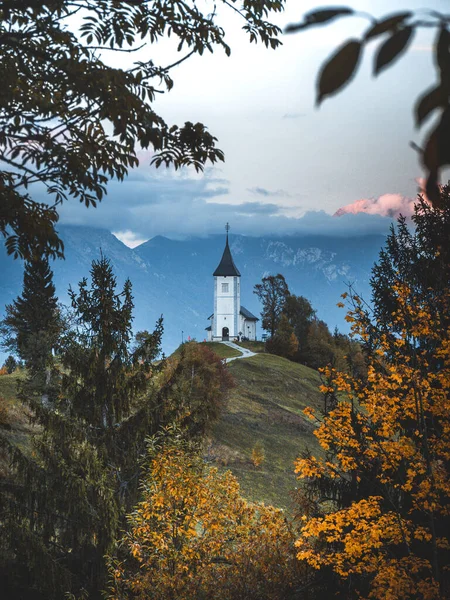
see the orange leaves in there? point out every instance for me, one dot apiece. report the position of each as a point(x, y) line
point(193, 535)
point(388, 440)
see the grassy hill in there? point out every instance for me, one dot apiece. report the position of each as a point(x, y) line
point(223, 350)
point(14, 416)
point(266, 406)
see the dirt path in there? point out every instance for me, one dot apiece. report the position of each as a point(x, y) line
point(244, 352)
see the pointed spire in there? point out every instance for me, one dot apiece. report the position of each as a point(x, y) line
point(226, 267)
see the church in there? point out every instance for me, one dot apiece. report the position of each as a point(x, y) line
point(230, 321)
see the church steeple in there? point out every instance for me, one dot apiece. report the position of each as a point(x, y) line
point(226, 267)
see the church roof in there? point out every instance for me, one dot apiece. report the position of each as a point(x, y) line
point(226, 267)
point(247, 314)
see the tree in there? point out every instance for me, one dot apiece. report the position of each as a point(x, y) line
point(10, 364)
point(385, 472)
point(300, 313)
point(258, 454)
point(382, 487)
point(64, 505)
point(396, 32)
point(193, 536)
point(272, 293)
point(70, 122)
point(32, 326)
point(419, 258)
point(284, 342)
point(319, 350)
point(201, 382)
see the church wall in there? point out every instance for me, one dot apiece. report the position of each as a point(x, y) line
point(248, 328)
point(226, 305)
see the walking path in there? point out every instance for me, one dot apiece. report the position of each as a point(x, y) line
point(245, 353)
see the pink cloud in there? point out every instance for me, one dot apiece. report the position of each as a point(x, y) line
point(387, 205)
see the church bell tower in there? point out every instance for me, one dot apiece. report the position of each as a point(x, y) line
point(227, 297)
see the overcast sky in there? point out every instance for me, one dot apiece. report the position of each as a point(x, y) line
point(284, 158)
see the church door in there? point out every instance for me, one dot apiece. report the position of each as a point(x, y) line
point(225, 334)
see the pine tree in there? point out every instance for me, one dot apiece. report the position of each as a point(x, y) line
point(419, 259)
point(66, 503)
point(31, 326)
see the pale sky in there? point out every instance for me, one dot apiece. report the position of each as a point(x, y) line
point(284, 157)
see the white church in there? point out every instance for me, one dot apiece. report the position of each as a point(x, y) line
point(230, 321)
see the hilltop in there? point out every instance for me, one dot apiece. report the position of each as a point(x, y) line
point(266, 406)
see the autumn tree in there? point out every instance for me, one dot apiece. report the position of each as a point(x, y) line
point(64, 505)
point(71, 120)
point(300, 314)
point(382, 486)
point(394, 34)
point(200, 382)
point(272, 293)
point(193, 536)
point(284, 342)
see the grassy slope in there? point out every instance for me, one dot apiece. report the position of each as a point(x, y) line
point(222, 350)
point(266, 405)
point(16, 426)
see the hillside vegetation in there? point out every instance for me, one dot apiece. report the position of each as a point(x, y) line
point(266, 406)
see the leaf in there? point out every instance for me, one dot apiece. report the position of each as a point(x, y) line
point(443, 52)
point(437, 154)
point(393, 48)
point(431, 100)
point(339, 70)
point(387, 24)
point(432, 190)
point(319, 17)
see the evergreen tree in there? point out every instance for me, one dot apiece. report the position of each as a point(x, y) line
point(10, 364)
point(65, 505)
point(419, 259)
point(31, 326)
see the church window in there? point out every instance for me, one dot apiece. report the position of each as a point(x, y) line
point(224, 288)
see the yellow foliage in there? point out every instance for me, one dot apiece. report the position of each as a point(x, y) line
point(388, 438)
point(193, 536)
point(258, 454)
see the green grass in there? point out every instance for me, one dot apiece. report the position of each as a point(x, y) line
point(15, 422)
point(222, 350)
point(267, 406)
point(253, 346)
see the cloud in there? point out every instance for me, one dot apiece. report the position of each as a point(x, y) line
point(129, 238)
point(387, 205)
point(260, 191)
point(180, 205)
point(295, 115)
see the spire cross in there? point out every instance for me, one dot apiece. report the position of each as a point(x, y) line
point(227, 228)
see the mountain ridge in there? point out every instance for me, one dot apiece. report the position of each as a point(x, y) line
point(174, 277)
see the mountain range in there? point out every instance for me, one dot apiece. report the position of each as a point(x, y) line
point(174, 278)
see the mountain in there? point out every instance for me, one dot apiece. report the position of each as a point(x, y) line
point(174, 278)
